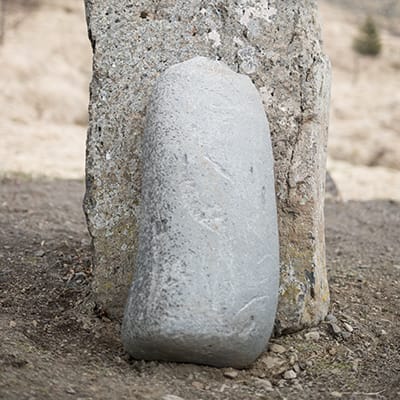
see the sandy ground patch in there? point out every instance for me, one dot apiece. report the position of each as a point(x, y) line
point(45, 65)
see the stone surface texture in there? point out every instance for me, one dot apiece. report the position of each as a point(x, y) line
point(205, 289)
point(277, 44)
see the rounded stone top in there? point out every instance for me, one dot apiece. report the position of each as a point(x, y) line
point(207, 66)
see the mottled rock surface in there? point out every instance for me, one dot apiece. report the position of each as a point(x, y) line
point(206, 283)
point(276, 43)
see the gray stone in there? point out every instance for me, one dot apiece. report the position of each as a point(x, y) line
point(277, 43)
point(171, 397)
point(312, 336)
point(335, 328)
point(231, 373)
point(331, 318)
point(206, 285)
point(289, 375)
point(348, 327)
point(277, 348)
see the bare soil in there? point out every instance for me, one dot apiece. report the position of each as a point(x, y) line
point(56, 345)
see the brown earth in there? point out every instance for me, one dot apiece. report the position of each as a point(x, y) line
point(55, 345)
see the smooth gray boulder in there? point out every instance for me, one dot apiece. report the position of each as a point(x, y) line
point(207, 272)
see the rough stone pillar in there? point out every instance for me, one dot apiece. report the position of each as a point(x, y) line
point(277, 44)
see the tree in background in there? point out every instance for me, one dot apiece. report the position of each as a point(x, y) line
point(368, 40)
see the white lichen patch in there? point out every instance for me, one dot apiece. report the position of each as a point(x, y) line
point(238, 41)
point(249, 62)
point(265, 95)
point(250, 10)
point(215, 37)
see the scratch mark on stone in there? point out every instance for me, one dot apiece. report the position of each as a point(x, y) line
point(250, 303)
point(263, 259)
point(219, 169)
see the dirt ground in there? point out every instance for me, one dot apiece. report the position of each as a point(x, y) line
point(55, 345)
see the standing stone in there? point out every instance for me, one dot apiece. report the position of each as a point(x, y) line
point(207, 271)
point(277, 44)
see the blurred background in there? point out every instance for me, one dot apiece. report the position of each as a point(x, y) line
point(45, 64)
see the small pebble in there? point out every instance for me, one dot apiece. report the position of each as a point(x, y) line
point(272, 362)
point(290, 374)
point(231, 374)
point(298, 387)
point(265, 383)
point(335, 328)
point(348, 327)
point(312, 336)
point(281, 383)
point(346, 335)
point(222, 389)
point(12, 324)
point(198, 385)
point(277, 348)
point(40, 253)
point(331, 318)
point(293, 359)
point(336, 395)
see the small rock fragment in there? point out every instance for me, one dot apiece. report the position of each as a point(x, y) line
point(265, 384)
point(277, 348)
point(290, 374)
point(222, 389)
point(335, 328)
point(331, 318)
point(313, 336)
point(298, 387)
point(171, 397)
point(281, 383)
point(346, 335)
point(198, 385)
point(293, 359)
point(231, 374)
point(348, 327)
point(39, 253)
point(272, 362)
point(71, 390)
point(336, 395)
point(12, 324)
point(296, 368)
